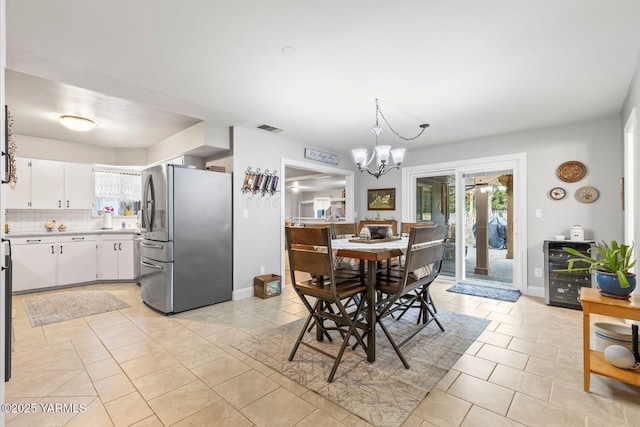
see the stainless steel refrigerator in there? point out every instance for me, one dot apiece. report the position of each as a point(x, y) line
point(186, 242)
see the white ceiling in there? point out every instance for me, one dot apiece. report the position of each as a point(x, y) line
point(146, 69)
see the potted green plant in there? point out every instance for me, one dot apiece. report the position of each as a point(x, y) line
point(127, 209)
point(611, 267)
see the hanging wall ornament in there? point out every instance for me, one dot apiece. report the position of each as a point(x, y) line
point(248, 180)
point(274, 183)
point(12, 171)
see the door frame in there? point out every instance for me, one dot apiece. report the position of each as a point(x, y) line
point(349, 206)
point(629, 187)
point(516, 162)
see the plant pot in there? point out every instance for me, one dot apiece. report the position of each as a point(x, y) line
point(610, 286)
point(128, 212)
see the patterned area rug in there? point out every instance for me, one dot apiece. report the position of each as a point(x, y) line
point(383, 393)
point(53, 308)
point(486, 292)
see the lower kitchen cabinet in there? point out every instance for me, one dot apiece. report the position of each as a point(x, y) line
point(41, 262)
point(44, 262)
point(116, 257)
point(77, 261)
point(35, 263)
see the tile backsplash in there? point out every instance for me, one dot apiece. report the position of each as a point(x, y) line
point(33, 220)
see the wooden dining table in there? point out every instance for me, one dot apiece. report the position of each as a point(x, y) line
point(372, 252)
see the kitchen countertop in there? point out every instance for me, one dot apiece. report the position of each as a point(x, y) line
point(75, 233)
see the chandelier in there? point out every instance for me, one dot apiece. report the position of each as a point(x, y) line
point(382, 152)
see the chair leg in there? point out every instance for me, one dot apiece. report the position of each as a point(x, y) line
point(302, 332)
point(427, 310)
point(393, 344)
point(345, 343)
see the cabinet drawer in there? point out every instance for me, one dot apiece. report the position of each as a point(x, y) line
point(35, 240)
point(78, 238)
point(118, 237)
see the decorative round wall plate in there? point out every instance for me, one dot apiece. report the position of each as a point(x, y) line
point(557, 193)
point(571, 171)
point(587, 194)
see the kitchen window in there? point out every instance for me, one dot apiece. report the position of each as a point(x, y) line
point(119, 190)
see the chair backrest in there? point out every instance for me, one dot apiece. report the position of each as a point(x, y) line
point(425, 252)
point(310, 251)
point(406, 226)
point(344, 229)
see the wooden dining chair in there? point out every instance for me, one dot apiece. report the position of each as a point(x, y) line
point(424, 255)
point(324, 297)
point(343, 230)
point(347, 267)
point(405, 227)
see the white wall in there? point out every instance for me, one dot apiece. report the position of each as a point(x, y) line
point(596, 143)
point(52, 149)
point(199, 140)
point(258, 238)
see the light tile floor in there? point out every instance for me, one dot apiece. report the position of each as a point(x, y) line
point(137, 367)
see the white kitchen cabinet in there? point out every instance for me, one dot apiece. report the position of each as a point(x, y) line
point(79, 191)
point(20, 196)
point(77, 259)
point(116, 257)
point(35, 263)
point(49, 184)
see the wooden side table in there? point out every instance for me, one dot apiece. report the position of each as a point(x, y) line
point(594, 361)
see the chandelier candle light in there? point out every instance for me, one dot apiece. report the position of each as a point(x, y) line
point(382, 152)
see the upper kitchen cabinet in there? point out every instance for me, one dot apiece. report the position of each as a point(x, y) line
point(20, 196)
point(79, 190)
point(47, 184)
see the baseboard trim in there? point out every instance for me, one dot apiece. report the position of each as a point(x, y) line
point(242, 293)
point(535, 291)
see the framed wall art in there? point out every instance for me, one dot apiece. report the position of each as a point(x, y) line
point(381, 199)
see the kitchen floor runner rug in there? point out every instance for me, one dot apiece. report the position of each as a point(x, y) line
point(382, 393)
point(511, 295)
point(58, 307)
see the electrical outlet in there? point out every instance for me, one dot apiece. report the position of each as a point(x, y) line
point(537, 272)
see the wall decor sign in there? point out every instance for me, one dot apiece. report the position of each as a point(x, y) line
point(381, 199)
point(571, 171)
point(320, 156)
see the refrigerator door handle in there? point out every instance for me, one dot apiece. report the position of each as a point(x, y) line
point(147, 245)
point(7, 177)
point(6, 267)
point(149, 198)
point(146, 264)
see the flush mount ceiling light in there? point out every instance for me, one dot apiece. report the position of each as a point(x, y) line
point(77, 123)
point(382, 152)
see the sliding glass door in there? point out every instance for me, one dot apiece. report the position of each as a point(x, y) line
point(482, 202)
point(487, 230)
point(435, 202)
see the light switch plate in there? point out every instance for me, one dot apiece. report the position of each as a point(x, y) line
point(245, 213)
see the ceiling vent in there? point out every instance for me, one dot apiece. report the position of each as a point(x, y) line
point(269, 128)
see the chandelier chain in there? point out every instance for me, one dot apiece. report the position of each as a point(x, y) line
point(394, 131)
